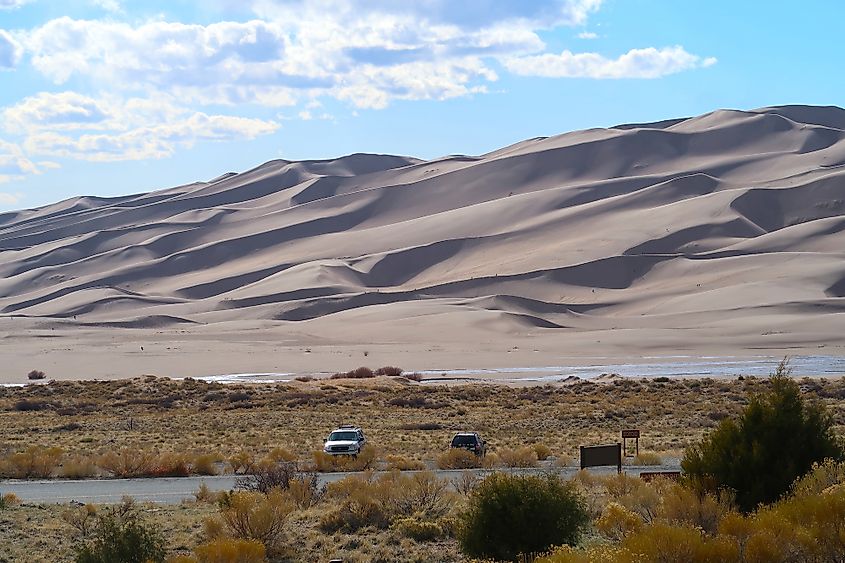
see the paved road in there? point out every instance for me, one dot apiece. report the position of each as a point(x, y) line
point(172, 490)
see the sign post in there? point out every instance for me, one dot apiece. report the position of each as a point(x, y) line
point(635, 435)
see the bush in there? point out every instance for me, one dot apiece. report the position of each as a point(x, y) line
point(776, 439)
point(324, 462)
point(648, 458)
point(357, 373)
point(522, 457)
point(542, 451)
point(369, 501)
point(8, 500)
point(458, 458)
point(231, 550)
point(402, 463)
point(78, 467)
point(616, 522)
point(34, 462)
point(120, 536)
point(255, 516)
point(36, 374)
point(390, 371)
point(681, 544)
point(128, 462)
point(418, 530)
point(204, 464)
point(513, 515)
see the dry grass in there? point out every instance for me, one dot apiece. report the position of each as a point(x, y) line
point(243, 424)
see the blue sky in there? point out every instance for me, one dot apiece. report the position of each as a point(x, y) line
point(110, 97)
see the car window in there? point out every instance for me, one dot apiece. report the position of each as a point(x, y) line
point(342, 436)
point(466, 440)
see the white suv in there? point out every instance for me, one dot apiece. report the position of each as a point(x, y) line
point(345, 440)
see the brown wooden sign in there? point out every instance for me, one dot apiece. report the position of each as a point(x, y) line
point(630, 433)
point(649, 475)
point(598, 456)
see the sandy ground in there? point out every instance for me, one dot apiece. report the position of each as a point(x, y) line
point(86, 353)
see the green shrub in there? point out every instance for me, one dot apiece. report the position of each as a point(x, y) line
point(776, 439)
point(121, 536)
point(510, 515)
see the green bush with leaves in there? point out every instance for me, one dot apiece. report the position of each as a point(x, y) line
point(121, 536)
point(777, 438)
point(513, 515)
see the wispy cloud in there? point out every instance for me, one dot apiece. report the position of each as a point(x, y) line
point(588, 35)
point(636, 63)
point(12, 4)
point(10, 51)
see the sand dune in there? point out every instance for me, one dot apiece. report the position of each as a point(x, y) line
point(722, 224)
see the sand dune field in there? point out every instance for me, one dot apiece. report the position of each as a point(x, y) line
point(720, 234)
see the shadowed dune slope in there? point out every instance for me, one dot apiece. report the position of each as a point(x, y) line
point(729, 215)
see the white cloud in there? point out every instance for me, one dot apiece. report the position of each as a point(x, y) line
point(9, 199)
point(588, 35)
point(10, 51)
point(11, 4)
point(113, 6)
point(14, 165)
point(636, 63)
point(65, 110)
point(146, 142)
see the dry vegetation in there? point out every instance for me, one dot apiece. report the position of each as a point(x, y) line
point(79, 429)
point(273, 431)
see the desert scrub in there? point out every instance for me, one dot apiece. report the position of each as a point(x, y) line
point(121, 535)
point(229, 550)
point(402, 463)
point(520, 457)
point(365, 460)
point(34, 462)
point(458, 458)
point(367, 500)
point(521, 515)
point(252, 516)
point(647, 458)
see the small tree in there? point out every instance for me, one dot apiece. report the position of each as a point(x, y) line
point(776, 439)
point(513, 515)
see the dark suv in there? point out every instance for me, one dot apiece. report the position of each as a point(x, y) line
point(470, 441)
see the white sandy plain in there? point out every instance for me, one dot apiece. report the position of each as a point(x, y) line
point(721, 235)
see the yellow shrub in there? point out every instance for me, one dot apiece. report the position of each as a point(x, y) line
point(678, 544)
point(258, 517)
point(324, 462)
point(616, 521)
point(231, 550)
point(521, 457)
point(35, 461)
point(171, 465)
point(648, 458)
point(204, 464)
point(78, 467)
point(281, 454)
point(458, 458)
point(242, 462)
point(402, 463)
point(542, 451)
point(682, 505)
point(128, 462)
